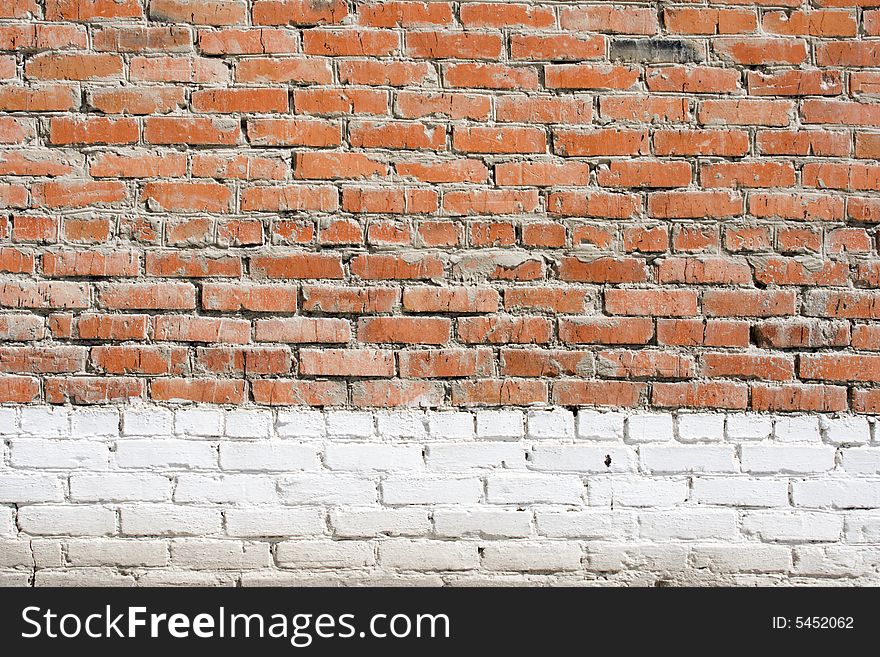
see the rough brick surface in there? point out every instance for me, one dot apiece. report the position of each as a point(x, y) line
point(440, 292)
point(426, 204)
point(147, 494)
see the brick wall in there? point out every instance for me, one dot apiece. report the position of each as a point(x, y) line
point(664, 209)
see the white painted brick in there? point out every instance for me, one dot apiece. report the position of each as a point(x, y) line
point(205, 554)
point(426, 489)
point(846, 430)
point(71, 520)
point(252, 522)
point(95, 422)
point(500, 424)
point(117, 552)
point(688, 458)
point(740, 491)
point(795, 459)
point(688, 524)
point(792, 526)
point(268, 456)
point(583, 458)
point(861, 460)
point(847, 493)
point(742, 558)
point(8, 420)
point(169, 520)
point(166, 453)
point(451, 424)
point(483, 523)
point(836, 560)
point(532, 556)
point(233, 489)
point(15, 578)
point(79, 577)
point(119, 487)
point(45, 421)
point(47, 552)
point(862, 527)
point(595, 425)
point(401, 424)
point(534, 489)
point(649, 427)
point(325, 554)
point(694, 427)
point(147, 421)
point(596, 524)
point(327, 488)
point(368, 522)
point(300, 424)
point(648, 491)
point(28, 488)
point(15, 553)
point(198, 422)
point(349, 424)
point(7, 525)
point(748, 426)
point(796, 428)
point(249, 424)
point(557, 423)
point(464, 456)
point(429, 555)
point(614, 557)
point(175, 578)
point(370, 456)
point(59, 454)
point(600, 491)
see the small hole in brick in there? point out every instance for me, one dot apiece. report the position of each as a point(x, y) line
point(608, 460)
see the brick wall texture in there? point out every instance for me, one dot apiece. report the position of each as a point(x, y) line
point(378, 204)
point(636, 222)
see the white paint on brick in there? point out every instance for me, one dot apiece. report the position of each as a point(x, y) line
point(264, 521)
point(350, 424)
point(848, 430)
point(464, 456)
point(795, 459)
point(451, 424)
point(324, 554)
point(500, 424)
point(201, 495)
point(861, 460)
point(400, 424)
point(44, 421)
point(695, 427)
point(249, 424)
point(740, 491)
point(792, 526)
point(268, 456)
point(557, 423)
point(147, 421)
point(301, 424)
point(482, 523)
point(583, 458)
point(691, 458)
point(595, 425)
point(198, 421)
point(368, 522)
point(95, 422)
point(797, 429)
point(741, 427)
point(371, 456)
point(650, 427)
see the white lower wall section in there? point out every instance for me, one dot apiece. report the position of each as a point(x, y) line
point(148, 495)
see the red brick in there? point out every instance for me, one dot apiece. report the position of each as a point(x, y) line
point(404, 330)
point(700, 395)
